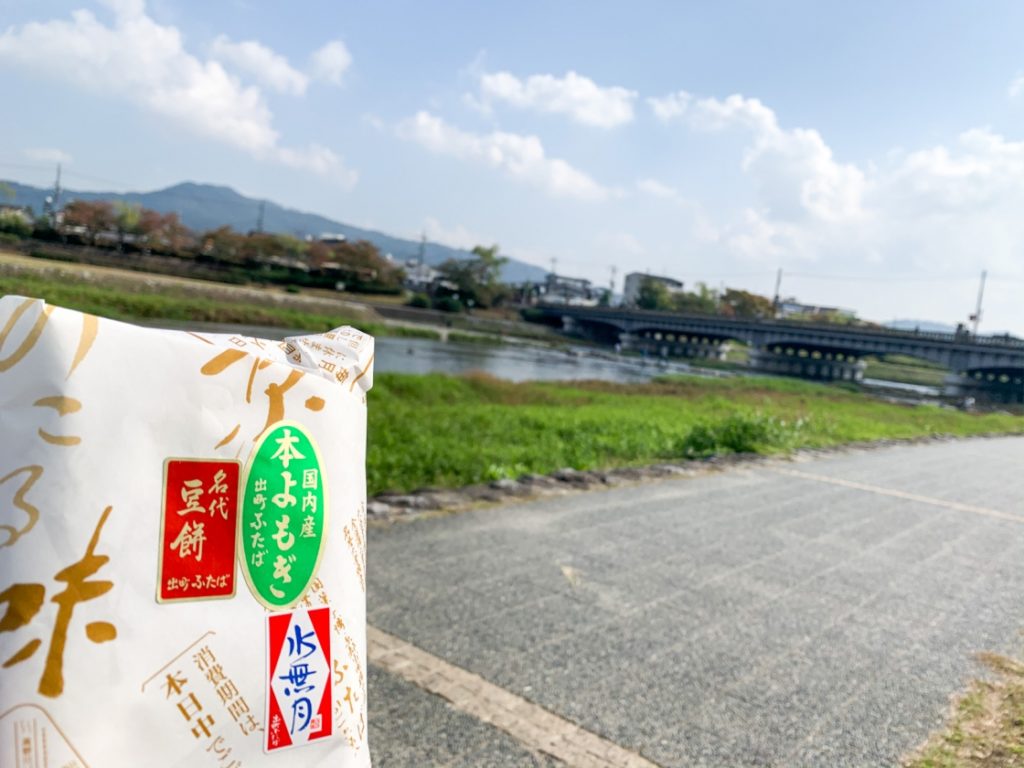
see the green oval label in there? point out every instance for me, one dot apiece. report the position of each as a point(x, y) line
point(284, 515)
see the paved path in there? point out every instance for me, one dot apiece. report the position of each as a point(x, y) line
point(799, 614)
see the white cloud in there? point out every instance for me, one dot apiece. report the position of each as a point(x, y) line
point(457, 236)
point(794, 170)
point(1016, 86)
point(521, 157)
point(330, 62)
point(145, 63)
point(671, 106)
point(574, 95)
point(48, 155)
point(257, 60)
point(655, 188)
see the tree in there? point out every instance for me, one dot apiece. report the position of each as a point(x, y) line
point(127, 217)
point(93, 217)
point(15, 223)
point(654, 295)
point(702, 301)
point(737, 303)
point(477, 279)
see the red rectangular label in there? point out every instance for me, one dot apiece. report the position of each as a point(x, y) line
point(200, 523)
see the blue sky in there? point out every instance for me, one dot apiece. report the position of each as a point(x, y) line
point(873, 151)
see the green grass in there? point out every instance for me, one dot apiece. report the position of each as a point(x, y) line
point(905, 369)
point(121, 304)
point(986, 726)
point(437, 430)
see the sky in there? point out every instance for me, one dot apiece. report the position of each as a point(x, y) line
point(874, 152)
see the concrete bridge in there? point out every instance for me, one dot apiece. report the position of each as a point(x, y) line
point(989, 366)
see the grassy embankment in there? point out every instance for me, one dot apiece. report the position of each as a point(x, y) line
point(986, 728)
point(437, 430)
point(122, 303)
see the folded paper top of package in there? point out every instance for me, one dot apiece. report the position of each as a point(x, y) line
point(182, 544)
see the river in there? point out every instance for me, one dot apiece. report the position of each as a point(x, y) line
point(517, 361)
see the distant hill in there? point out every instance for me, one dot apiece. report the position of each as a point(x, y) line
point(207, 206)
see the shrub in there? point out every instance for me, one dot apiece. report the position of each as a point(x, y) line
point(420, 301)
point(741, 433)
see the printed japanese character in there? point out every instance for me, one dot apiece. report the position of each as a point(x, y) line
point(190, 539)
point(309, 502)
point(285, 499)
point(310, 479)
point(219, 747)
point(24, 601)
point(249, 724)
point(219, 506)
point(298, 644)
point(237, 708)
point(302, 713)
point(282, 571)
point(189, 706)
point(308, 531)
point(219, 486)
point(190, 492)
point(34, 472)
point(285, 539)
point(259, 500)
point(286, 450)
point(298, 675)
point(256, 560)
point(227, 691)
point(203, 658)
point(203, 725)
point(261, 485)
point(173, 684)
point(215, 674)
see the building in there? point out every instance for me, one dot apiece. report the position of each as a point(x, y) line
point(635, 280)
point(419, 276)
point(559, 289)
point(791, 308)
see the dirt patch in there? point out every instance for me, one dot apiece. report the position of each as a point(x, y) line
point(986, 723)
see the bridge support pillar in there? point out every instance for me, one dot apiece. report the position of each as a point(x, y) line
point(985, 387)
point(668, 345)
point(822, 367)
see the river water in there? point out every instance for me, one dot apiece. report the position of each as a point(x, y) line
point(516, 361)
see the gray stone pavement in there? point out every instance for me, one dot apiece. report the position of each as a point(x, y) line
point(743, 618)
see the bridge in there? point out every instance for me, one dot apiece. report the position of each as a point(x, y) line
point(985, 365)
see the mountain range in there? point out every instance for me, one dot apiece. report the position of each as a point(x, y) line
point(207, 206)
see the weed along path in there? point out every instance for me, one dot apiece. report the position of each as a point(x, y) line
point(805, 613)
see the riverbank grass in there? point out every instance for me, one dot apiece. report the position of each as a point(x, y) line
point(444, 431)
point(118, 303)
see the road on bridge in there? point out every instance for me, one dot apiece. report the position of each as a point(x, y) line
point(793, 613)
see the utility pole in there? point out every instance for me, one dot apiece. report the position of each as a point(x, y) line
point(259, 217)
point(57, 190)
point(778, 287)
point(52, 203)
point(976, 317)
point(554, 265)
point(421, 256)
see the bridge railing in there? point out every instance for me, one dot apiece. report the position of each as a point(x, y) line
point(889, 333)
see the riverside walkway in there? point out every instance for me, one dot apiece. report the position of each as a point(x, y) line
point(791, 613)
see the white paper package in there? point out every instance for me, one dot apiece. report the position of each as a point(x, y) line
point(182, 545)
